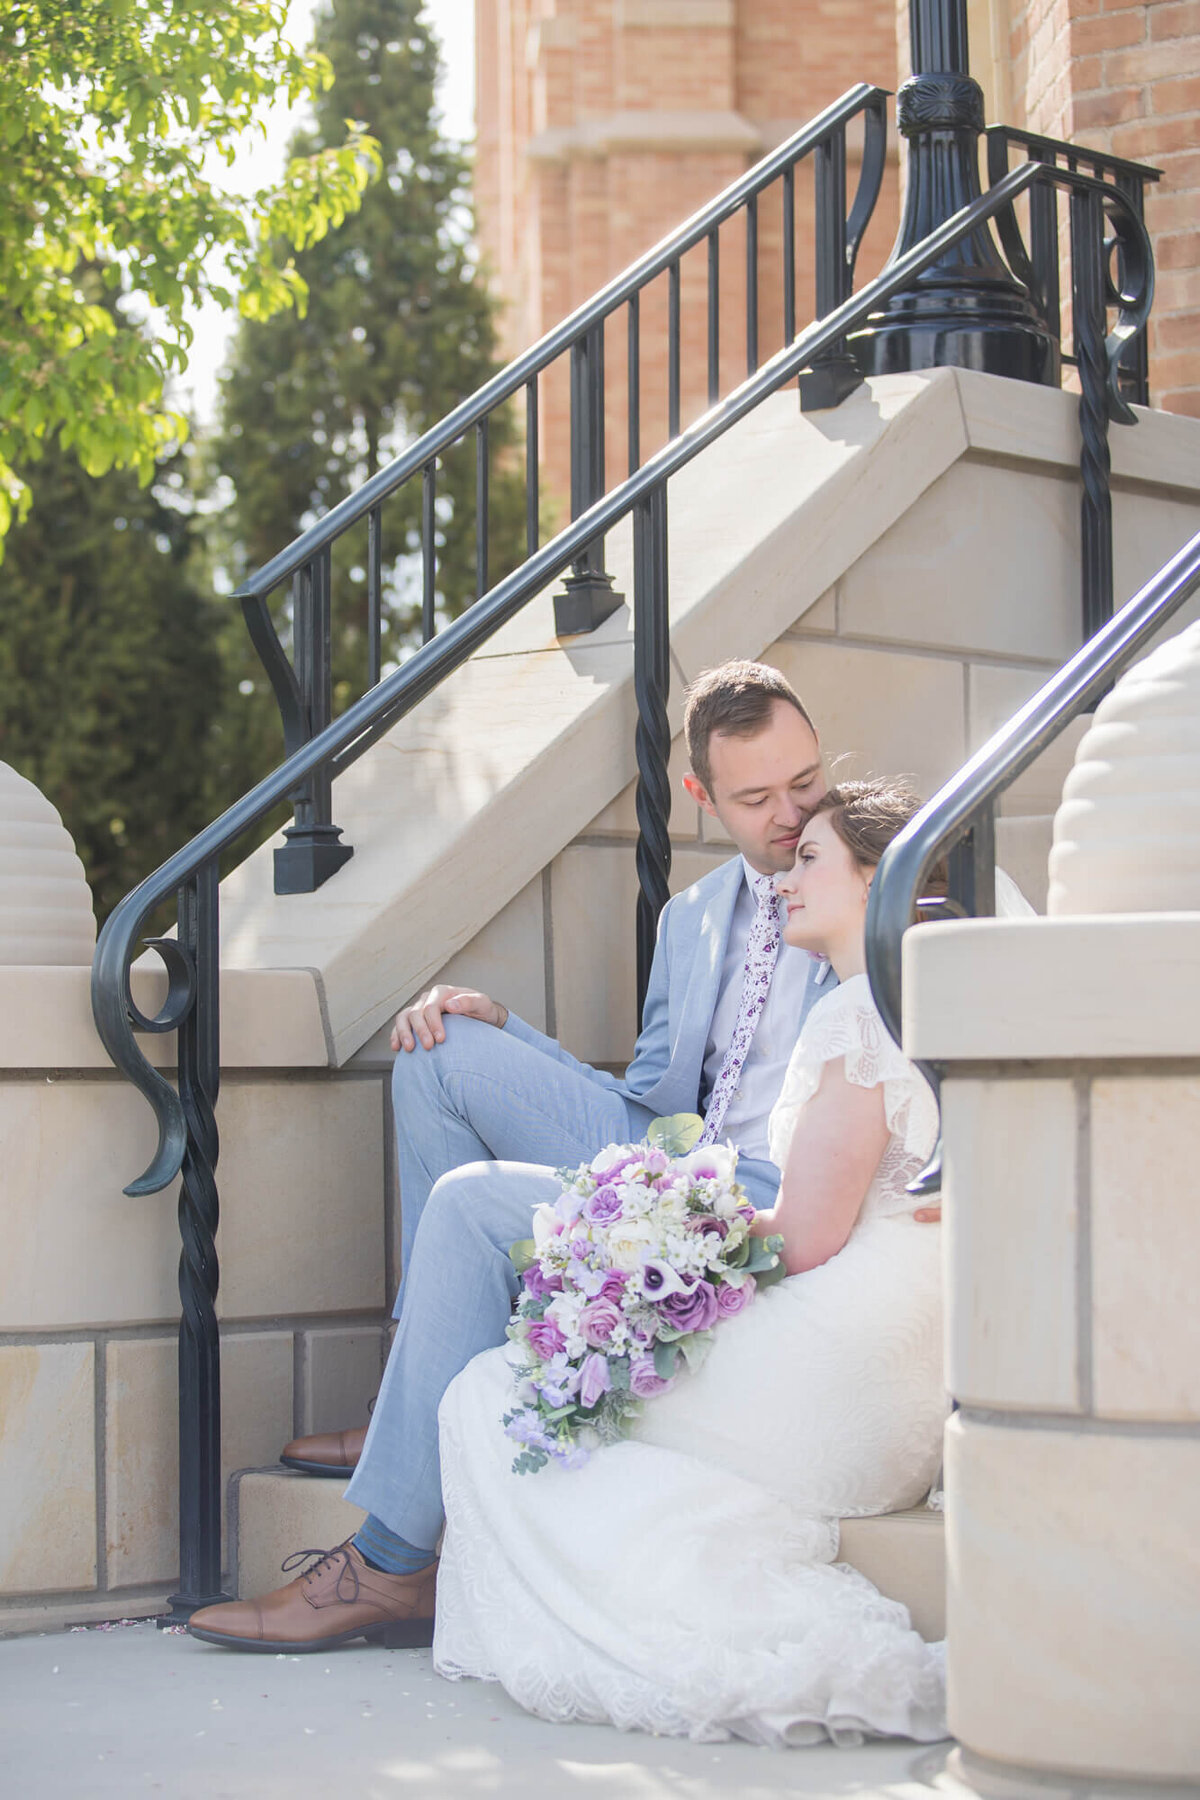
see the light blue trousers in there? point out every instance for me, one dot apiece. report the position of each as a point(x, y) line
point(475, 1116)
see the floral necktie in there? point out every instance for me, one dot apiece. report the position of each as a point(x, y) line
point(762, 952)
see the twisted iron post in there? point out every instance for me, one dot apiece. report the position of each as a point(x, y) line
point(651, 680)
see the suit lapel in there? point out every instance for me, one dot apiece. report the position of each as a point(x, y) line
point(704, 976)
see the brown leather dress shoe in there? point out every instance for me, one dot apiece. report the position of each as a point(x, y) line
point(342, 1598)
point(328, 1453)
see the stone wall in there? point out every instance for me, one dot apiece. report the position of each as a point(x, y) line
point(88, 1298)
point(1071, 1115)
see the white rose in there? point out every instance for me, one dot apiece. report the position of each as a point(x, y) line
point(715, 1162)
point(629, 1243)
point(545, 1220)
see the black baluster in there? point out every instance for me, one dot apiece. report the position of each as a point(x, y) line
point(673, 350)
point(532, 531)
point(481, 508)
point(1134, 366)
point(789, 253)
point(428, 551)
point(971, 868)
point(588, 595)
point(1089, 314)
point(633, 401)
point(752, 284)
point(651, 679)
point(199, 1338)
point(312, 851)
point(834, 373)
point(374, 596)
point(714, 316)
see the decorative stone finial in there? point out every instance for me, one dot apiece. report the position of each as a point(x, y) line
point(45, 902)
point(1127, 835)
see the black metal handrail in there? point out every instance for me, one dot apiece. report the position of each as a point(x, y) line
point(958, 823)
point(188, 1140)
point(303, 688)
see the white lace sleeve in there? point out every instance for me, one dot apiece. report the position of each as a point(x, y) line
point(846, 1025)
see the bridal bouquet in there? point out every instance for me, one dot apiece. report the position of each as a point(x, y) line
point(645, 1250)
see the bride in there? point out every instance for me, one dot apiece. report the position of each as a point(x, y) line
point(685, 1581)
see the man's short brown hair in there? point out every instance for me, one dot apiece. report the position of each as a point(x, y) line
point(735, 699)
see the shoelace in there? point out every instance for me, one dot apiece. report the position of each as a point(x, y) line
point(324, 1564)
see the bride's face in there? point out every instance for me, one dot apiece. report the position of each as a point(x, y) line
point(825, 891)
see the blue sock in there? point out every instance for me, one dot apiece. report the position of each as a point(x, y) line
point(387, 1551)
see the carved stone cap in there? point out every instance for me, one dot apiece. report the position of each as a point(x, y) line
point(45, 902)
point(1127, 835)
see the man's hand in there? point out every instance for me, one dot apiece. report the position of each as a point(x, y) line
point(422, 1021)
point(928, 1215)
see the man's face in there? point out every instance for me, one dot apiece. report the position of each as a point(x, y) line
point(764, 787)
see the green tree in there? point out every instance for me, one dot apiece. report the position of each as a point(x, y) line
point(398, 329)
point(112, 114)
point(111, 680)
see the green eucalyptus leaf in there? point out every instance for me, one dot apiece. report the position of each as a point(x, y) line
point(675, 1135)
point(522, 1255)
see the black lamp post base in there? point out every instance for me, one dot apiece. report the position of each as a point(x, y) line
point(585, 602)
point(953, 330)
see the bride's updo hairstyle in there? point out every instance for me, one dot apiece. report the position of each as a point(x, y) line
point(867, 815)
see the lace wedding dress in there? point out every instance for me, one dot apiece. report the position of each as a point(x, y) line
point(685, 1581)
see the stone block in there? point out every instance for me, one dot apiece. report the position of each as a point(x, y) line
point(1073, 1601)
point(878, 711)
point(78, 1251)
point(280, 1513)
point(1145, 1247)
point(620, 818)
point(142, 1439)
point(341, 1371)
point(508, 958)
point(593, 901)
point(1047, 988)
point(1011, 1243)
point(47, 1468)
point(954, 573)
point(302, 1197)
point(904, 1554)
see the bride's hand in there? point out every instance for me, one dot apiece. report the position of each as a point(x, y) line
point(422, 1021)
point(929, 1215)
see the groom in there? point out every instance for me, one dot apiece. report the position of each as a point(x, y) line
point(479, 1095)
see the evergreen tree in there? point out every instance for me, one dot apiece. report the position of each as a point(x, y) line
point(110, 674)
point(399, 327)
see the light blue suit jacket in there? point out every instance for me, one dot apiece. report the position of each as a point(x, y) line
point(685, 982)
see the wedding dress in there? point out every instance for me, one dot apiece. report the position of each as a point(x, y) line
point(685, 1582)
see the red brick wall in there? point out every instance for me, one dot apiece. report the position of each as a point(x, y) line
point(554, 228)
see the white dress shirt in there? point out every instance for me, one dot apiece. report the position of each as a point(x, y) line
point(775, 1036)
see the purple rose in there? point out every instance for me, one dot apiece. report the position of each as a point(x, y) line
point(602, 1207)
point(709, 1222)
point(656, 1163)
point(539, 1284)
point(597, 1322)
point(694, 1310)
point(613, 1286)
point(595, 1379)
point(546, 1339)
point(731, 1300)
point(643, 1379)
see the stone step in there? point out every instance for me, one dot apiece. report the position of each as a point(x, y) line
point(274, 1512)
